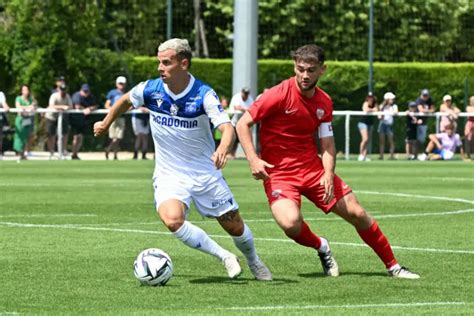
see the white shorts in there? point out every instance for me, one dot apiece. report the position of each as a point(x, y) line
point(214, 200)
point(140, 127)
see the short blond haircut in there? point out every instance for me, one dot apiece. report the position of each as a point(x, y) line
point(181, 46)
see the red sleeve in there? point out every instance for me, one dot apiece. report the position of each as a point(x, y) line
point(267, 104)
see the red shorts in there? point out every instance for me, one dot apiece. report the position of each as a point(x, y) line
point(285, 185)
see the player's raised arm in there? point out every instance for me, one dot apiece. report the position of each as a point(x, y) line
point(120, 107)
point(257, 165)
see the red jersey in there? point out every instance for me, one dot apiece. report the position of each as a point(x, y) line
point(289, 123)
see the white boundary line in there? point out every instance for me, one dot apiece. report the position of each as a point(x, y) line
point(152, 232)
point(47, 215)
point(429, 197)
point(296, 307)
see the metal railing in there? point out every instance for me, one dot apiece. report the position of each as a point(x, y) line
point(346, 114)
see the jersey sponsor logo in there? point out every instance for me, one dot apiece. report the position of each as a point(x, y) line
point(320, 113)
point(290, 111)
point(174, 122)
point(222, 202)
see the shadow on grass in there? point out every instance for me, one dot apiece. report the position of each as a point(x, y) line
point(343, 274)
point(222, 279)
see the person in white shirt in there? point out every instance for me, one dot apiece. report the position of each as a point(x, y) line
point(389, 108)
point(187, 166)
point(239, 103)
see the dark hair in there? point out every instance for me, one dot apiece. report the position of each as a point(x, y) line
point(24, 85)
point(374, 100)
point(311, 53)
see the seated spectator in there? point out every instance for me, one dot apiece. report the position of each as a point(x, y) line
point(3, 119)
point(82, 100)
point(448, 107)
point(389, 108)
point(442, 146)
point(469, 129)
point(366, 125)
point(59, 101)
point(24, 122)
point(412, 124)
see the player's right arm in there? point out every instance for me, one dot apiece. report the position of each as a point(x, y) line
point(121, 106)
point(257, 165)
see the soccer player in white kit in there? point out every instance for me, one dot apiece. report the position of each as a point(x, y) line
point(187, 168)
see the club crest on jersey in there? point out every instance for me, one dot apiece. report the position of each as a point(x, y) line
point(276, 193)
point(190, 107)
point(320, 113)
point(174, 109)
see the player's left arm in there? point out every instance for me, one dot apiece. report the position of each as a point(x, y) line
point(328, 157)
point(228, 137)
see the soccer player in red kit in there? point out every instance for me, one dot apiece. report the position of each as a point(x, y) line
point(290, 114)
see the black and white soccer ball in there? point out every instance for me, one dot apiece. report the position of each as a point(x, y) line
point(153, 267)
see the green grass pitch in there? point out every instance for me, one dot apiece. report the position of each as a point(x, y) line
point(70, 230)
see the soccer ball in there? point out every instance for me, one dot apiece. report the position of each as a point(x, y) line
point(153, 267)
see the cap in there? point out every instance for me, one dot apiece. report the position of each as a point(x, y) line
point(245, 90)
point(389, 95)
point(60, 78)
point(370, 94)
point(85, 87)
point(412, 104)
point(447, 98)
point(425, 92)
point(121, 79)
point(62, 86)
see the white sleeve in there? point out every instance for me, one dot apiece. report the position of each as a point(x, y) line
point(214, 109)
point(136, 95)
point(2, 98)
point(325, 130)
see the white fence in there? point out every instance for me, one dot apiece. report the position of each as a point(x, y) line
point(347, 114)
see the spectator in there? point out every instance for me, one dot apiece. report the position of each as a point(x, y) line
point(60, 80)
point(141, 129)
point(469, 128)
point(389, 108)
point(442, 146)
point(117, 128)
point(239, 103)
point(412, 124)
point(59, 101)
point(24, 122)
point(448, 107)
point(217, 133)
point(3, 119)
point(425, 105)
point(365, 125)
point(84, 101)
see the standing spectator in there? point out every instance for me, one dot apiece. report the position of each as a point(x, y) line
point(117, 128)
point(448, 107)
point(3, 119)
point(425, 105)
point(389, 108)
point(59, 101)
point(469, 128)
point(60, 80)
point(239, 103)
point(84, 101)
point(24, 122)
point(366, 124)
point(141, 129)
point(412, 123)
point(442, 146)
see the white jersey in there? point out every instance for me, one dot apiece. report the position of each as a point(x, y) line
point(181, 130)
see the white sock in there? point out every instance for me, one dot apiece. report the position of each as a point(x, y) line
point(324, 245)
point(197, 238)
point(394, 267)
point(246, 245)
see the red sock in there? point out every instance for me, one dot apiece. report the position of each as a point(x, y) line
point(374, 237)
point(307, 238)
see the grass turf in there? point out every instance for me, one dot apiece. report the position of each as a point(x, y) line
point(70, 230)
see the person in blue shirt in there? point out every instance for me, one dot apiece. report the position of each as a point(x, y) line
point(117, 129)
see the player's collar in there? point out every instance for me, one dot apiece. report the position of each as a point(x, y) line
point(184, 92)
